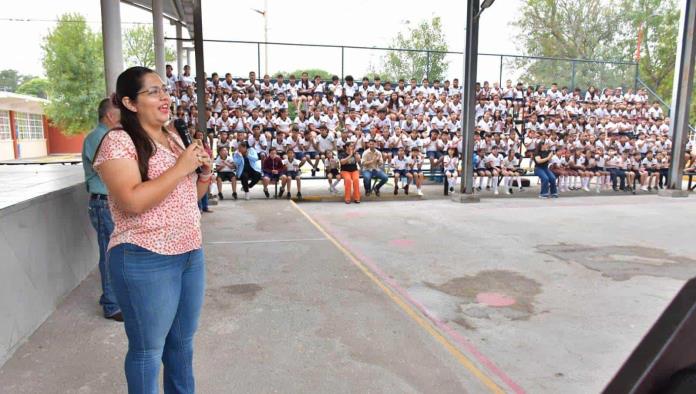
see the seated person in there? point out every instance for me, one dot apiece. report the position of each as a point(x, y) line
point(372, 163)
point(225, 168)
point(248, 167)
point(292, 166)
point(273, 171)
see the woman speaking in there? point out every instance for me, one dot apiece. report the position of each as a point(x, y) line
point(155, 261)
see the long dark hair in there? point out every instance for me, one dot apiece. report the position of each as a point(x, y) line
point(129, 83)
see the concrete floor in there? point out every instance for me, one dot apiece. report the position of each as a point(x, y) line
point(514, 295)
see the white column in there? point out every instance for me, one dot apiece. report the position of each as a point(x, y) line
point(179, 50)
point(158, 36)
point(111, 32)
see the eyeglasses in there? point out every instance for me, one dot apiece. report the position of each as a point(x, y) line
point(155, 91)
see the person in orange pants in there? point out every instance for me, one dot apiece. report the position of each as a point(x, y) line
point(349, 160)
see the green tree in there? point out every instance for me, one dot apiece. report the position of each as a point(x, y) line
point(139, 49)
point(312, 72)
point(74, 68)
point(11, 79)
point(601, 29)
point(34, 87)
point(659, 22)
point(575, 29)
point(426, 36)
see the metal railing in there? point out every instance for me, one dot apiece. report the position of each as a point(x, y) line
point(667, 107)
point(508, 64)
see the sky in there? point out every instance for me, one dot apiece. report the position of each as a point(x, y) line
point(353, 22)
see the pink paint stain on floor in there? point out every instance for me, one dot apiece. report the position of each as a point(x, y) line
point(496, 300)
point(402, 242)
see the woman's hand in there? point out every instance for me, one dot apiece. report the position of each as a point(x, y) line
point(206, 162)
point(189, 160)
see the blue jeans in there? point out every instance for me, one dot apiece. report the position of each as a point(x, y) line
point(367, 179)
point(203, 203)
point(100, 216)
point(161, 299)
point(548, 179)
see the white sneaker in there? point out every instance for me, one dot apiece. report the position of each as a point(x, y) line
point(495, 190)
point(420, 193)
point(246, 196)
point(507, 191)
point(587, 189)
point(644, 188)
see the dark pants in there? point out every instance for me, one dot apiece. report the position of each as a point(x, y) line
point(662, 177)
point(100, 216)
point(615, 173)
point(249, 179)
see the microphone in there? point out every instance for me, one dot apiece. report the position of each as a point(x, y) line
point(182, 130)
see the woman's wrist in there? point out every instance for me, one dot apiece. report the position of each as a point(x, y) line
point(205, 177)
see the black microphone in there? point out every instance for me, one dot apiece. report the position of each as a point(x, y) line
point(182, 130)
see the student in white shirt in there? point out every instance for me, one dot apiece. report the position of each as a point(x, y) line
point(400, 164)
point(651, 166)
point(416, 168)
point(331, 167)
point(226, 171)
point(292, 171)
point(350, 88)
point(433, 149)
point(279, 86)
point(494, 163)
point(326, 142)
point(282, 122)
point(451, 168)
point(511, 169)
point(224, 122)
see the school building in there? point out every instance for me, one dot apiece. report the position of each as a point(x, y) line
point(26, 132)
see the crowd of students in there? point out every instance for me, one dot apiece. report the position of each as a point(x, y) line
point(593, 139)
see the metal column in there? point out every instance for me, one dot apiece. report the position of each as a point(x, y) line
point(111, 33)
point(258, 62)
point(427, 66)
point(681, 93)
point(200, 67)
point(158, 36)
point(188, 58)
point(469, 99)
point(179, 50)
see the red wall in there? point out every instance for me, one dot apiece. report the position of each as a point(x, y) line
point(59, 143)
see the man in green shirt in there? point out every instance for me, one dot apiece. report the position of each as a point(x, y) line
point(99, 214)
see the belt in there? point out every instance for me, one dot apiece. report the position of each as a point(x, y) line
point(94, 196)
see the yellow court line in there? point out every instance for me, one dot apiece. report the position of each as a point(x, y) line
point(425, 324)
